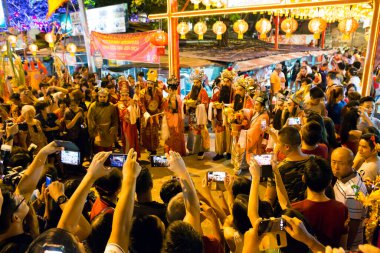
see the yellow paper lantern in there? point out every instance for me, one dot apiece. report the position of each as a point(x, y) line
point(206, 3)
point(33, 48)
point(12, 40)
point(347, 27)
point(240, 27)
point(71, 48)
point(196, 3)
point(317, 26)
point(263, 26)
point(50, 38)
point(200, 28)
point(289, 26)
point(4, 48)
point(183, 28)
point(219, 28)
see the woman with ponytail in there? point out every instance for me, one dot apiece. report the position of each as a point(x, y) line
point(335, 105)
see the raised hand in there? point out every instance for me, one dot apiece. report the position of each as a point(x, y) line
point(131, 168)
point(55, 190)
point(176, 163)
point(254, 169)
point(97, 168)
point(51, 148)
point(229, 182)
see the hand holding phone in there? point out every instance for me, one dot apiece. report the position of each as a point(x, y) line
point(294, 121)
point(159, 161)
point(48, 180)
point(216, 176)
point(265, 162)
point(116, 160)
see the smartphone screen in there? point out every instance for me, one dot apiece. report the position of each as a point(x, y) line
point(116, 160)
point(159, 161)
point(48, 180)
point(70, 157)
point(271, 225)
point(294, 121)
point(263, 124)
point(216, 176)
point(263, 159)
point(52, 248)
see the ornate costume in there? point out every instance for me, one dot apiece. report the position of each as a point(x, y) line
point(151, 107)
point(172, 124)
point(196, 102)
point(129, 112)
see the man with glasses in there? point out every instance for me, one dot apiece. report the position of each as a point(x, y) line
point(14, 237)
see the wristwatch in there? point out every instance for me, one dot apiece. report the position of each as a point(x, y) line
point(62, 199)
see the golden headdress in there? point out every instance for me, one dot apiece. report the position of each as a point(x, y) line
point(229, 73)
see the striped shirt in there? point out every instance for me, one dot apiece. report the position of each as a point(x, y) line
point(345, 192)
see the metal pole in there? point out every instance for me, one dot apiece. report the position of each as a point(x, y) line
point(86, 35)
point(173, 42)
point(371, 50)
point(323, 38)
point(277, 32)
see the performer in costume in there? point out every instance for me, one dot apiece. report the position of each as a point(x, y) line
point(198, 139)
point(220, 99)
point(239, 115)
point(129, 112)
point(172, 130)
point(103, 122)
point(151, 107)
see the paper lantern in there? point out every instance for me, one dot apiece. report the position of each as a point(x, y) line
point(200, 28)
point(317, 26)
point(71, 48)
point(206, 3)
point(98, 59)
point(160, 40)
point(12, 40)
point(289, 26)
point(219, 28)
point(240, 27)
point(347, 27)
point(263, 26)
point(183, 28)
point(33, 48)
point(196, 3)
point(4, 48)
point(50, 38)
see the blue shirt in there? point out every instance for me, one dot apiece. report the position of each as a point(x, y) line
point(334, 112)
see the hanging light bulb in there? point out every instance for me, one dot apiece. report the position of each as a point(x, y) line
point(50, 38)
point(12, 40)
point(196, 3)
point(160, 40)
point(33, 48)
point(71, 48)
point(200, 28)
point(289, 26)
point(240, 27)
point(263, 26)
point(206, 3)
point(183, 28)
point(219, 28)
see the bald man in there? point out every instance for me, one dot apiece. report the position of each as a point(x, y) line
point(348, 185)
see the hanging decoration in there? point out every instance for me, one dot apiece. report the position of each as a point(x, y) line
point(240, 27)
point(160, 40)
point(263, 26)
point(317, 26)
point(12, 40)
point(33, 48)
point(347, 27)
point(289, 26)
point(53, 6)
point(50, 38)
point(183, 28)
point(200, 28)
point(219, 28)
point(207, 3)
point(196, 3)
point(71, 48)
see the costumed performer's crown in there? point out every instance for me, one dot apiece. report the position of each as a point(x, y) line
point(261, 99)
point(229, 73)
point(242, 81)
point(124, 91)
point(103, 91)
point(198, 74)
point(152, 75)
point(173, 82)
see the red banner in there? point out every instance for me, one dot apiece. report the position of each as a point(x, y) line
point(134, 47)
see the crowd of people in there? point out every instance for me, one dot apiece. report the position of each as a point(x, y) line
point(311, 141)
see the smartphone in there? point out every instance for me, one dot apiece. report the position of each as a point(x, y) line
point(265, 162)
point(294, 121)
point(70, 157)
point(263, 124)
point(271, 225)
point(159, 161)
point(48, 180)
point(216, 176)
point(53, 248)
point(23, 126)
point(116, 160)
point(68, 145)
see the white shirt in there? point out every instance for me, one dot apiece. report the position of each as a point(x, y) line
point(346, 194)
point(370, 170)
point(356, 81)
point(113, 248)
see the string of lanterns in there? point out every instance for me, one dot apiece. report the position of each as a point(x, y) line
point(209, 3)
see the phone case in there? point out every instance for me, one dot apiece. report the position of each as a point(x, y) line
point(273, 240)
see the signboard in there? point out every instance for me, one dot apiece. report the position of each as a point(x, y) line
point(128, 47)
point(110, 19)
point(3, 23)
point(240, 3)
point(295, 39)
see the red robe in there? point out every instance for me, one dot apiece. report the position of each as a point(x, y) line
point(129, 131)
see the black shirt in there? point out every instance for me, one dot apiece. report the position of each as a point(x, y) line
point(16, 244)
point(150, 208)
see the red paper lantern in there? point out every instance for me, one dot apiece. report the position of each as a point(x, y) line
point(160, 40)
